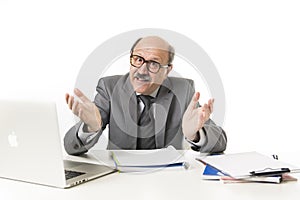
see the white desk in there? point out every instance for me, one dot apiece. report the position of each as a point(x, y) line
point(169, 184)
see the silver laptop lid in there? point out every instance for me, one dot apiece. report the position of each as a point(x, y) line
point(30, 143)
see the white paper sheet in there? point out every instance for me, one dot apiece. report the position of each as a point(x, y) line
point(241, 164)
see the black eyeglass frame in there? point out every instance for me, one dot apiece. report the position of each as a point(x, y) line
point(147, 65)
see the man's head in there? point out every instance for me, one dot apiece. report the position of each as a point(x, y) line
point(151, 61)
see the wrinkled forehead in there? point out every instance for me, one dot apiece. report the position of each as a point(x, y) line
point(152, 43)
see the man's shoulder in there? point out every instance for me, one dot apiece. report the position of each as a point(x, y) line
point(182, 88)
point(178, 82)
point(112, 80)
point(111, 83)
point(180, 79)
point(113, 77)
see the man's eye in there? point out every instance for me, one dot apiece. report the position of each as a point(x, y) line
point(154, 65)
point(138, 60)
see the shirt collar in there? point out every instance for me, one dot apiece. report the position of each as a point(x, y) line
point(153, 94)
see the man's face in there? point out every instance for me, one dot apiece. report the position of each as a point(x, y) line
point(142, 80)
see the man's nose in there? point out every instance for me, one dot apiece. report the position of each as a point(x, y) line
point(143, 69)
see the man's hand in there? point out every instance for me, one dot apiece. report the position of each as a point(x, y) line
point(195, 117)
point(86, 110)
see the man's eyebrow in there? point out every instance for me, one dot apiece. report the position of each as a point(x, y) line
point(155, 58)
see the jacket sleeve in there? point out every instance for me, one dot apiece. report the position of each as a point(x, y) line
point(216, 139)
point(72, 143)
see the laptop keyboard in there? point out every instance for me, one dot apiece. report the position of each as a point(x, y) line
point(71, 174)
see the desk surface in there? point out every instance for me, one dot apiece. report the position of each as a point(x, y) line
point(163, 184)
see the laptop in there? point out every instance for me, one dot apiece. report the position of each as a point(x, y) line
point(31, 150)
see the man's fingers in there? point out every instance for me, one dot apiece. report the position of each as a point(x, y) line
point(201, 120)
point(211, 105)
point(206, 111)
point(67, 98)
point(194, 101)
point(81, 96)
point(196, 96)
point(205, 108)
point(75, 108)
point(70, 101)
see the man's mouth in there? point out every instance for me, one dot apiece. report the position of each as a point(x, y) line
point(142, 77)
point(142, 80)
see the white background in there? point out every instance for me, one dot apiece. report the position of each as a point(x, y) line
point(255, 46)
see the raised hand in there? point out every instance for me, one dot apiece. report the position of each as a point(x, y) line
point(85, 109)
point(195, 117)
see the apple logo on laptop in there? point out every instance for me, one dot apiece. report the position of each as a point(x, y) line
point(13, 139)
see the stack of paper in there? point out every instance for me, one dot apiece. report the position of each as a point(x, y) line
point(148, 160)
point(211, 173)
point(260, 179)
point(246, 167)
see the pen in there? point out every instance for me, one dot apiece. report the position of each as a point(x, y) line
point(270, 172)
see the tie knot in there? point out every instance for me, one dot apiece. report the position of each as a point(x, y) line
point(147, 100)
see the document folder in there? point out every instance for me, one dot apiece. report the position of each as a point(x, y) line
point(148, 160)
point(242, 165)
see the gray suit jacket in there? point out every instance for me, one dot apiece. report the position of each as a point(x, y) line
point(117, 104)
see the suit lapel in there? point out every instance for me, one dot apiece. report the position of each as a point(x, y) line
point(162, 105)
point(129, 106)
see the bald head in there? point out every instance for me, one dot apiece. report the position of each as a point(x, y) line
point(149, 52)
point(154, 42)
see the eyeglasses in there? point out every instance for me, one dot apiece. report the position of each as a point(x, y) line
point(152, 66)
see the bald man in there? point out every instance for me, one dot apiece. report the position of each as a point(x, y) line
point(145, 108)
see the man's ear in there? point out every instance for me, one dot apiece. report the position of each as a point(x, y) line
point(169, 68)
